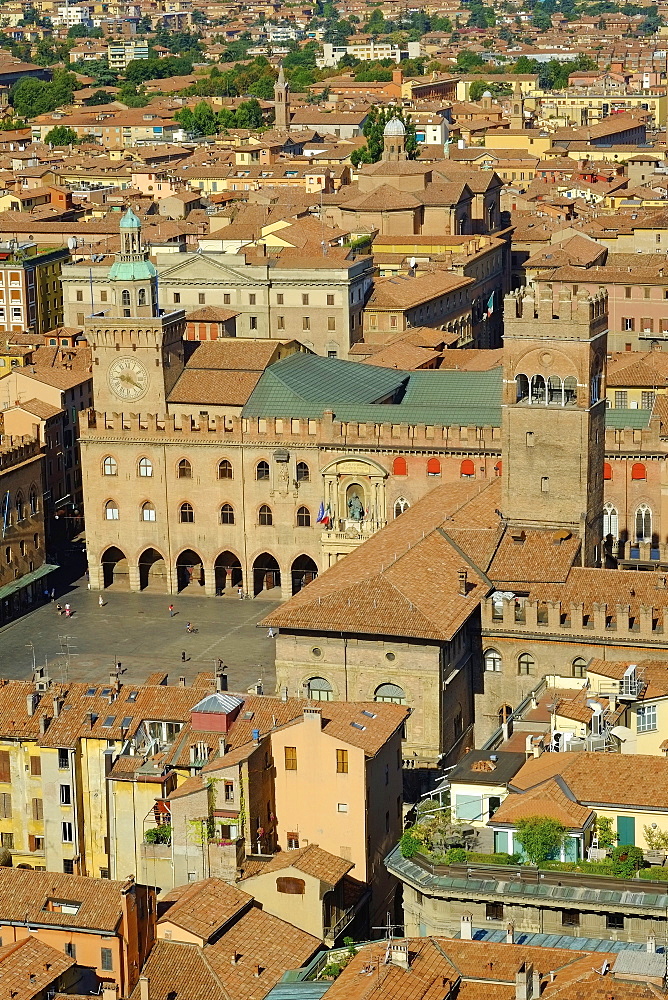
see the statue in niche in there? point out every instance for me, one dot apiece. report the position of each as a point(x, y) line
point(355, 508)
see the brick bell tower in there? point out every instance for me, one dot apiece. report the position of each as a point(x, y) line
point(553, 413)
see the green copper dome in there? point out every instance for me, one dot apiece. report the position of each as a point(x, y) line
point(132, 270)
point(130, 220)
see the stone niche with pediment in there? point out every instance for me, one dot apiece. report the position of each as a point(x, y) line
point(347, 477)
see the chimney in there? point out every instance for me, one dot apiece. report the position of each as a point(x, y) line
point(221, 746)
point(510, 934)
point(258, 971)
point(109, 991)
point(535, 979)
point(234, 958)
point(221, 680)
point(31, 703)
point(651, 944)
point(182, 682)
point(462, 575)
point(43, 724)
point(144, 993)
point(399, 954)
point(466, 927)
point(57, 703)
point(314, 716)
point(524, 981)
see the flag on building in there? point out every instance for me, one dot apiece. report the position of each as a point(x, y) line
point(490, 305)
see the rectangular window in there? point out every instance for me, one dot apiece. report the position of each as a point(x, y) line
point(494, 911)
point(68, 866)
point(79, 295)
point(201, 298)
point(627, 292)
point(341, 761)
point(280, 322)
point(647, 325)
point(647, 400)
point(291, 758)
point(342, 807)
point(251, 299)
point(65, 795)
point(628, 323)
point(330, 300)
point(252, 322)
point(104, 873)
point(106, 960)
point(305, 298)
point(621, 399)
point(647, 292)
point(5, 805)
point(70, 949)
point(279, 299)
point(331, 322)
point(63, 759)
point(7, 840)
point(646, 715)
point(37, 809)
point(293, 841)
point(570, 918)
point(614, 921)
point(67, 833)
point(226, 298)
point(229, 791)
point(4, 766)
point(468, 808)
point(103, 296)
point(306, 323)
point(177, 298)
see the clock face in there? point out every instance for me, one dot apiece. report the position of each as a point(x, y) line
point(128, 379)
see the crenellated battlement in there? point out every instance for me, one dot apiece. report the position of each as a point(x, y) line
point(289, 430)
point(584, 309)
point(15, 450)
point(585, 619)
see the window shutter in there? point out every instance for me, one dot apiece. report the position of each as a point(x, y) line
point(638, 471)
point(32, 846)
point(4, 766)
point(37, 809)
point(607, 470)
point(36, 765)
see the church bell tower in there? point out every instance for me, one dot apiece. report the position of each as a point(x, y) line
point(553, 413)
point(137, 349)
point(282, 101)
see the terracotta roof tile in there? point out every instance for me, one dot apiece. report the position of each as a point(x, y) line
point(202, 908)
point(311, 860)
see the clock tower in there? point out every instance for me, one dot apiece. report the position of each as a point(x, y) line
point(137, 349)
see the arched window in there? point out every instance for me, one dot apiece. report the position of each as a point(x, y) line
point(184, 469)
point(145, 467)
point(555, 391)
point(492, 660)
point(610, 521)
point(33, 500)
point(607, 471)
point(643, 523)
point(537, 394)
point(504, 713)
point(225, 469)
point(522, 387)
point(265, 515)
point(525, 663)
point(227, 514)
point(498, 468)
point(262, 470)
point(20, 507)
point(147, 511)
point(111, 510)
point(109, 466)
point(186, 514)
point(571, 390)
point(400, 505)
point(125, 297)
point(390, 692)
point(467, 469)
point(638, 471)
point(303, 472)
point(319, 689)
point(433, 467)
point(399, 467)
point(579, 667)
point(303, 517)
point(141, 297)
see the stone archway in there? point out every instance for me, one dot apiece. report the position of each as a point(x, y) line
point(304, 570)
point(152, 571)
point(266, 574)
point(189, 570)
point(228, 573)
point(115, 570)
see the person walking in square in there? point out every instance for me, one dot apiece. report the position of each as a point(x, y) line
point(171, 610)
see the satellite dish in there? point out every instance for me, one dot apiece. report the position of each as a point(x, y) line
point(72, 243)
point(412, 262)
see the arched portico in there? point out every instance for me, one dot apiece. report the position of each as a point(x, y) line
point(152, 571)
point(115, 569)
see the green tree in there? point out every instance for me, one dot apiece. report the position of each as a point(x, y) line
point(249, 115)
point(468, 61)
point(376, 23)
point(30, 97)
point(99, 97)
point(374, 127)
point(61, 135)
point(540, 837)
point(541, 20)
point(83, 31)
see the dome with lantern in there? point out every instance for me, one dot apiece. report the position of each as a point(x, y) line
point(395, 127)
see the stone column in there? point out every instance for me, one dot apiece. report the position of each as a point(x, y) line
point(209, 581)
point(133, 577)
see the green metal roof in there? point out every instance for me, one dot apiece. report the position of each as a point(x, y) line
point(26, 579)
point(636, 419)
point(132, 270)
point(304, 385)
point(130, 221)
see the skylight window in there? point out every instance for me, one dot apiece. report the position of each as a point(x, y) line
point(369, 715)
point(90, 692)
point(357, 725)
point(108, 722)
